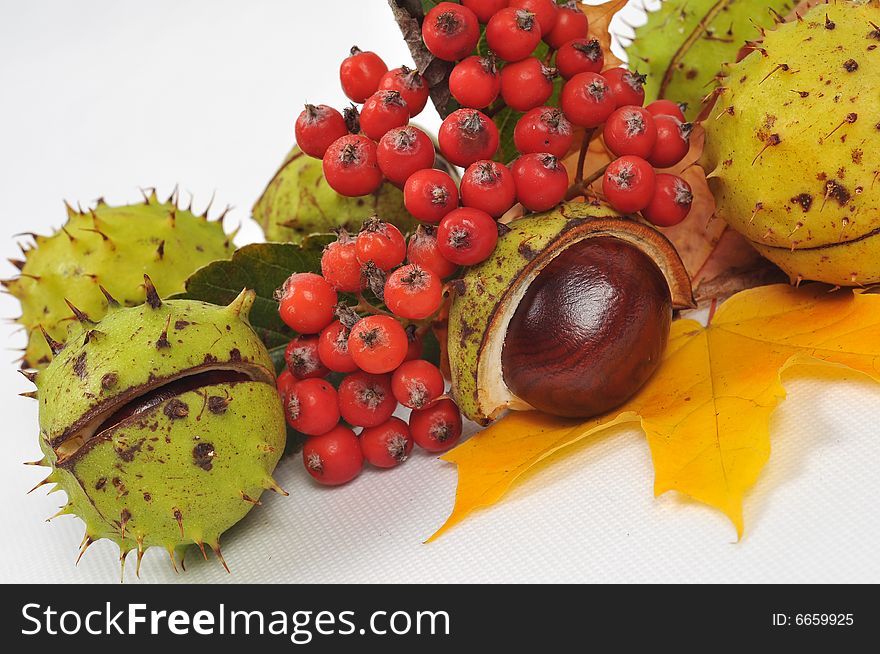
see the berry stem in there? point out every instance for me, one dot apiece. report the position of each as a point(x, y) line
point(365, 306)
point(582, 156)
point(497, 106)
point(580, 188)
point(550, 52)
point(423, 326)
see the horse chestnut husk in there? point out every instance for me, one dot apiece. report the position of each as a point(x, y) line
point(570, 315)
point(589, 330)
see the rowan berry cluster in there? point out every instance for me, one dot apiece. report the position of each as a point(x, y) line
point(362, 149)
point(642, 138)
point(379, 351)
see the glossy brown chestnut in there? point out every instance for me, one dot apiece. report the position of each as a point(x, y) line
point(589, 331)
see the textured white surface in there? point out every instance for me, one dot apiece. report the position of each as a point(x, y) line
point(102, 96)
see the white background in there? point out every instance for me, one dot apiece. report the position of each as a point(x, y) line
point(100, 97)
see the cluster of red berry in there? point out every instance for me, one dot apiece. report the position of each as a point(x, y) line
point(381, 359)
point(360, 150)
point(642, 138)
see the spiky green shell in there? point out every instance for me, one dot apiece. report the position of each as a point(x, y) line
point(131, 348)
point(685, 42)
point(113, 247)
point(486, 298)
point(161, 422)
point(792, 146)
point(298, 202)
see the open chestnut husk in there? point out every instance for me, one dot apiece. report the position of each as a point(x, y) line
point(589, 331)
point(570, 315)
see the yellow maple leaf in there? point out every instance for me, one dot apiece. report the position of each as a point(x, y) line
point(706, 410)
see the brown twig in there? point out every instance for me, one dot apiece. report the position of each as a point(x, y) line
point(364, 306)
point(579, 188)
point(497, 106)
point(582, 155)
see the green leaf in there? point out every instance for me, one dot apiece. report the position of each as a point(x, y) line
point(431, 348)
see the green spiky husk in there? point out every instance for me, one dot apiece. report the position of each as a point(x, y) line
point(298, 202)
point(186, 467)
point(111, 247)
point(792, 151)
point(685, 42)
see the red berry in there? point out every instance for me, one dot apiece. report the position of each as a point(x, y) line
point(466, 136)
point(417, 384)
point(513, 34)
point(333, 348)
point(333, 458)
point(671, 202)
point(587, 100)
point(667, 108)
point(545, 12)
point(377, 344)
point(403, 151)
point(423, 251)
point(312, 407)
point(360, 73)
point(526, 84)
point(284, 383)
point(673, 141)
point(630, 130)
point(628, 184)
point(485, 9)
point(388, 444)
point(410, 85)
point(350, 166)
point(307, 303)
point(301, 356)
point(380, 242)
point(467, 236)
point(384, 110)
point(488, 186)
point(627, 87)
point(317, 127)
point(450, 31)
point(339, 265)
point(571, 23)
point(475, 82)
point(413, 292)
point(366, 400)
point(580, 56)
point(541, 181)
point(543, 129)
point(429, 195)
point(437, 427)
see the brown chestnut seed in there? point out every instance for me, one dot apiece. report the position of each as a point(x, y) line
point(486, 298)
point(589, 331)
